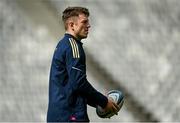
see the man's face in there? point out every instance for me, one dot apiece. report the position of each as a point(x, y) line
point(81, 26)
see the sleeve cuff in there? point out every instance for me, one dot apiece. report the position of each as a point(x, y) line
point(103, 100)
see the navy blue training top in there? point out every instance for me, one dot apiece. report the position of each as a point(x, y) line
point(69, 89)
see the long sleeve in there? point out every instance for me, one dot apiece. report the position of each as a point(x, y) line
point(76, 67)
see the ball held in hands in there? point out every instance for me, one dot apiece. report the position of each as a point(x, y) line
point(117, 97)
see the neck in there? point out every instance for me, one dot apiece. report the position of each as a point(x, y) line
point(72, 33)
point(67, 32)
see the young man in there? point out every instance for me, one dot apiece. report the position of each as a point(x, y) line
point(69, 90)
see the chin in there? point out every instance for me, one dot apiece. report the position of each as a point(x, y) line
point(84, 36)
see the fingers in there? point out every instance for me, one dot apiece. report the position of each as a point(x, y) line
point(115, 108)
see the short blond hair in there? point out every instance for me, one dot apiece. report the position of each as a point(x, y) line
point(72, 12)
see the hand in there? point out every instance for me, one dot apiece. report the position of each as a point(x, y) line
point(112, 107)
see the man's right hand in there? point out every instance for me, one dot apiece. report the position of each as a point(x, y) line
point(112, 107)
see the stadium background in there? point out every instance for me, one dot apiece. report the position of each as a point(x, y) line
point(133, 46)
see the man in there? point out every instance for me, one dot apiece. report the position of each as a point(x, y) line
point(69, 90)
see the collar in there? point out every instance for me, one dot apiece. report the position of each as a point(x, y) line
point(71, 36)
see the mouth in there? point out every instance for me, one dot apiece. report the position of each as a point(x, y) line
point(86, 31)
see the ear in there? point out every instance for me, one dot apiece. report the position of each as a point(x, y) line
point(71, 25)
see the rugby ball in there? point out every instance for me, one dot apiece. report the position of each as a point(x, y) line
point(117, 97)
